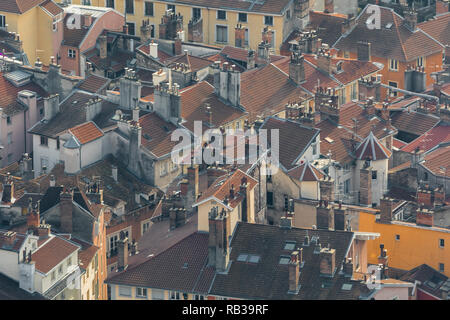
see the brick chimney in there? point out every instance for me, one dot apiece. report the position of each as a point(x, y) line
point(146, 31)
point(192, 176)
point(365, 187)
point(122, 246)
point(219, 232)
point(363, 50)
point(33, 218)
point(297, 68)
point(369, 88)
point(348, 267)
point(327, 262)
point(239, 36)
point(369, 106)
point(294, 270)
point(424, 198)
point(425, 217)
point(66, 207)
point(386, 206)
point(43, 231)
point(8, 238)
point(324, 60)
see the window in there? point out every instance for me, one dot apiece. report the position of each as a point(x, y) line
point(268, 20)
point(71, 53)
point(57, 143)
point(354, 91)
point(131, 28)
point(397, 237)
point(55, 25)
point(374, 175)
point(441, 243)
point(129, 6)
point(86, 2)
point(124, 291)
point(174, 295)
point(199, 297)
point(10, 138)
point(110, 4)
point(222, 34)
point(60, 269)
point(196, 14)
point(393, 65)
point(288, 14)
point(141, 292)
point(269, 176)
point(2, 21)
point(284, 260)
point(289, 245)
point(148, 8)
point(157, 294)
point(425, 176)
point(44, 164)
point(53, 275)
point(246, 37)
point(44, 141)
point(171, 7)
point(69, 262)
point(221, 15)
point(347, 186)
point(420, 62)
point(145, 227)
point(163, 169)
point(393, 93)
point(242, 17)
point(314, 149)
point(270, 198)
point(441, 267)
point(286, 202)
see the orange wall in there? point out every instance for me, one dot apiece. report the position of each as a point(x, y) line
point(417, 245)
point(398, 76)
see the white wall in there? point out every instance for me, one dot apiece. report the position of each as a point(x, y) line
point(50, 152)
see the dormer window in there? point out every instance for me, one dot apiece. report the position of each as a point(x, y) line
point(339, 67)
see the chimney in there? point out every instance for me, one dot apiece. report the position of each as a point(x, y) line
point(439, 196)
point(136, 114)
point(87, 20)
point(65, 208)
point(383, 261)
point(244, 190)
point(33, 218)
point(327, 262)
point(8, 238)
point(122, 261)
point(43, 231)
point(125, 29)
point(146, 31)
point(263, 52)
point(363, 49)
point(219, 232)
point(294, 270)
point(154, 50)
point(8, 190)
point(51, 106)
point(172, 218)
point(425, 217)
point(348, 267)
point(130, 90)
point(297, 68)
point(324, 215)
point(324, 60)
point(114, 171)
point(52, 180)
point(410, 19)
point(27, 163)
point(192, 175)
point(103, 46)
point(340, 223)
point(326, 186)
point(93, 108)
point(365, 187)
point(286, 222)
point(386, 206)
point(424, 198)
point(239, 36)
point(328, 6)
point(134, 248)
point(251, 60)
point(267, 36)
point(177, 47)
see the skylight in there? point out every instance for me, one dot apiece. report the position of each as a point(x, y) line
point(284, 260)
point(251, 258)
point(242, 257)
point(347, 286)
point(289, 245)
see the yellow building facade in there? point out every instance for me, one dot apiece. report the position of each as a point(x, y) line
point(280, 23)
point(408, 245)
point(39, 29)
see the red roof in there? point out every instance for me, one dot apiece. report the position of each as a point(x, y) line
point(86, 132)
point(427, 141)
point(398, 143)
point(52, 253)
point(372, 149)
point(18, 6)
point(437, 159)
point(306, 172)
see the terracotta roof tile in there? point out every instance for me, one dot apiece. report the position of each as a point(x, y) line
point(437, 159)
point(156, 134)
point(430, 139)
point(94, 83)
point(195, 63)
point(438, 28)
point(18, 6)
point(86, 132)
point(306, 172)
point(294, 139)
point(413, 122)
point(52, 7)
point(371, 148)
point(396, 42)
point(51, 253)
